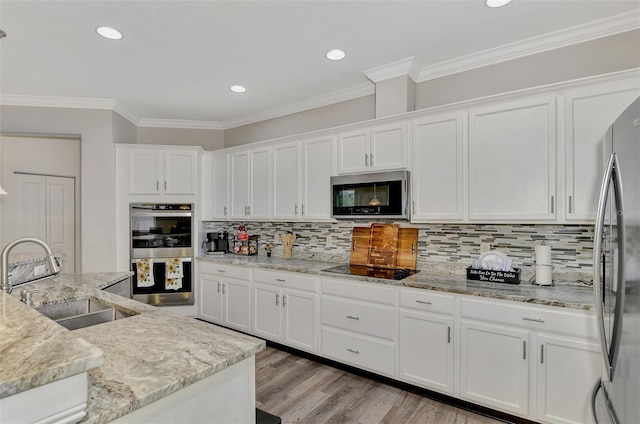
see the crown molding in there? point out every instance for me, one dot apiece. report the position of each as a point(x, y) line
point(391, 70)
point(554, 40)
point(180, 123)
point(49, 101)
point(350, 93)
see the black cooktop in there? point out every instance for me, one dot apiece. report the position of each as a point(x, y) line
point(389, 274)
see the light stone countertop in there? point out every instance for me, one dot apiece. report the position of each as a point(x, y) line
point(132, 362)
point(573, 295)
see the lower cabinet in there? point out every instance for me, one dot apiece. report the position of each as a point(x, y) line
point(494, 366)
point(223, 300)
point(284, 314)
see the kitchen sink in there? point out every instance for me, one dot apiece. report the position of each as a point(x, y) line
point(83, 313)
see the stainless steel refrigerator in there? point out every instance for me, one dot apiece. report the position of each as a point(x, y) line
point(616, 396)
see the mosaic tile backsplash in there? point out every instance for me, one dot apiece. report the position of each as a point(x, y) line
point(441, 247)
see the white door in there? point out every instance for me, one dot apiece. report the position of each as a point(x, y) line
point(45, 208)
point(180, 172)
point(260, 187)
point(145, 171)
point(316, 178)
point(220, 187)
point(300, 323)
point(239, 194)
point(267, 312)
point(237, 304)
point(353, 151)
point(388, 147)
point(210, 298)
point(286, 181)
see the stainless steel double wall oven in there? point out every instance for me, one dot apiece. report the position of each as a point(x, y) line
point(162, 235)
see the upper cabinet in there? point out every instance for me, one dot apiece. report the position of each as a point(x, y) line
point(154, 171)
point(437, 168)
point(301, 179)
point(512, 161)
point(250, 184)
point(588, 114)
point(373, 149)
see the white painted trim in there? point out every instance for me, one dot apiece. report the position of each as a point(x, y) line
point(579, 34)
point(179, 123)
point(50, 101)
point(391, 70)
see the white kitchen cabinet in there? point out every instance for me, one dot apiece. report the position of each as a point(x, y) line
point(437, 168)
point(250, 184)
point(512, 161)
point(588, 114)
point(566, 371)
point(225, 296)
point(286, 181)
point(426, 340)
point(153, 171)
point(285, 309)
point(494, 366)
point(317, 169)
point(373, 149)
point(220, 187)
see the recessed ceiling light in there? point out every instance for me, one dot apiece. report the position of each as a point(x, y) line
point(335, 54)
point(497, 3)
point(110, 33)
point(238, 89)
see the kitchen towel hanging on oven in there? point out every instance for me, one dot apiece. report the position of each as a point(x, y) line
point(174, 274)
point(144, 269)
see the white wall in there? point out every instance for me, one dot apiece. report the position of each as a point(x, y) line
point(206, 138)
point(97, 191)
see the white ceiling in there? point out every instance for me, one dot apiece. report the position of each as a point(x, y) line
point(178, 58)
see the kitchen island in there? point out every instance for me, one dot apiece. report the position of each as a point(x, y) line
point(133, 364)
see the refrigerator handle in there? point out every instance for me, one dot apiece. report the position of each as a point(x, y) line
point(620, 290)
point(594, 396)
point(597, 254)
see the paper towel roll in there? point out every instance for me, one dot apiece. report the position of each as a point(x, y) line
point(543, 255)
point(543, 275)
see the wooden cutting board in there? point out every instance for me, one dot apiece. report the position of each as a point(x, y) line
point(383, 245)
point(407, 248)
point(360, 246)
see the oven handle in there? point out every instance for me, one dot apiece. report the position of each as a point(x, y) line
point(160, 260)
point(161, 213)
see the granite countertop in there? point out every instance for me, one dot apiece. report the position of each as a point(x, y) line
point(566, 294)
point(131, 362)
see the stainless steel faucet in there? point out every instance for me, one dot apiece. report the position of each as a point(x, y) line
point(54, 265)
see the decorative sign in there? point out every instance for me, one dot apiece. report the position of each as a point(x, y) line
point(479, 274)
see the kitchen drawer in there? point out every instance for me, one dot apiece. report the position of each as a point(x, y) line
point(374, 320)
point(582, 324)
point(425, 300)
point(225, 270)
point(359, 351)
point(285, 279)
point(371, 292)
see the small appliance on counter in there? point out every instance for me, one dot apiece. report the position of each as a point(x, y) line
point(217, 243)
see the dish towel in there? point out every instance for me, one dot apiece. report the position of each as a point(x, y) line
point(144, 268)
point(174, 274)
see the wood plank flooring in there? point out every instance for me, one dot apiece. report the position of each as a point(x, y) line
point(299, 390)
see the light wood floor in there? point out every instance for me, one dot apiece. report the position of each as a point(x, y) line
point(299, 390)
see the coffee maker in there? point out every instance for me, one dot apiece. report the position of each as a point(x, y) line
point(217, 242)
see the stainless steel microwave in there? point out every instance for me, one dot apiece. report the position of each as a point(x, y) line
point(380, 195)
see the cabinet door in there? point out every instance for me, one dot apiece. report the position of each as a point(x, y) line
point(388, 148)
point(239, 193)
point(220, 187)
point(566, 366)
point(267, 311)
point(512, 161)
point(353, 151)
point(494, 366)
point(210, 298)
point(237, 304)
point(286, 181)
point(588, 114)
point(317, 168)
point(425, 351)
point(260, 184)
point(180, 172)
point(300, 323)
point(145, 171)
point(437, 172)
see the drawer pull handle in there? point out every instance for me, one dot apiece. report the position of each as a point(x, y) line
point(424, 302)
point(352, 317)
point(221, 270)
point(280, 280)
point(357, 352)
point(533, 319)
